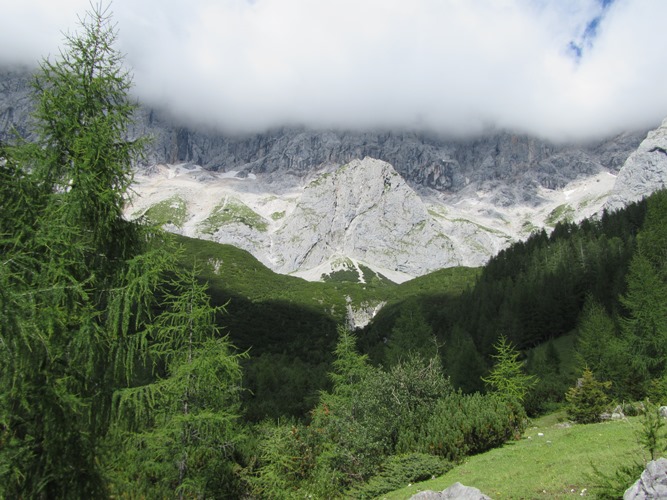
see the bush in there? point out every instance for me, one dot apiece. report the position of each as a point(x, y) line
point(588, 399)
point(400, 470)
point(463, 425)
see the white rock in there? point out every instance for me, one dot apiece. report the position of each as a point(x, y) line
point(644, 172)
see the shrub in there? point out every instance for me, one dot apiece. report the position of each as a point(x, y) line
point(588, 399)
point(400, 470)
point(463, 425)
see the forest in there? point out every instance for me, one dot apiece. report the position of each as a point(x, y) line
point(131, 368)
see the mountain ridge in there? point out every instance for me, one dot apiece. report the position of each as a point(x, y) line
point(475, 195)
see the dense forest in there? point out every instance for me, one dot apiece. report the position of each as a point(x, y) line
point(132, 366)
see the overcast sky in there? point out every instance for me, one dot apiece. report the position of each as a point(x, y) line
point(562, 69)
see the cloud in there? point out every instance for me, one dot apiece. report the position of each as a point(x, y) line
point(452, 66)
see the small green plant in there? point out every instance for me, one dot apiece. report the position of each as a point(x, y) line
point(588, 399)
point(278, 215)
point(652, 437)
point(652, 434)
point(507, 378)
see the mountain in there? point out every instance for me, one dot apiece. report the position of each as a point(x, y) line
point(316, 202)
point(644, 172)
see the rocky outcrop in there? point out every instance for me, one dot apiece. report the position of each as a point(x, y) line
point(652, 484)
point(287, 156)
point(456, 491)
point(644, 172)
point(367, 212)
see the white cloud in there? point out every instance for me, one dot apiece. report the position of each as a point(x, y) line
point(456, 66)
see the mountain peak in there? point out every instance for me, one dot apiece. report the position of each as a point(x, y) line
point(365, 211)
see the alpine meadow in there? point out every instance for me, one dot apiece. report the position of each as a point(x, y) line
point(138, 363)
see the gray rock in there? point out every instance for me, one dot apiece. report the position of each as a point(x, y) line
point(663, 411)
point(367, 212)
point(456, 491)
point(644, 172)
point(652, 483)
point(287, 156)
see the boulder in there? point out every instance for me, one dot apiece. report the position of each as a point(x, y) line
point(456, 491)
point(651, 484)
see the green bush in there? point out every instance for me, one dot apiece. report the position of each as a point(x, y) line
point(588, 399)
point(400, 470)
point(461, 425)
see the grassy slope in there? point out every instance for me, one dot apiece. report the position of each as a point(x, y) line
point(241, 274)
point(554, 465)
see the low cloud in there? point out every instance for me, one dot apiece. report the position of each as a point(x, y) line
point(562, 69)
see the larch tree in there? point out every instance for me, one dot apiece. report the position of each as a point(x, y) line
point(508, 377)
point(86, 296)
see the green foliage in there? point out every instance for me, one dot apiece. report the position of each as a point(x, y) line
point(645, 328)
point(286, 460)
point(588, 399)
point(399, 470)
point(183, 424)
point(553, 378)
point(657, 390)
point(371, 415)
point(411, 335)
point(599, 346)
point(611, 486)
point(461, 425)
point(64, 255)
point(463, 362)
point(230, 212)
point(652, 435)
point(173, 210)
point(92, 303)
point(507, 377)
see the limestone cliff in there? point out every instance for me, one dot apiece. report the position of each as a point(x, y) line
point(644, 172)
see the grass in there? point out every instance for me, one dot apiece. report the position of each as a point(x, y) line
point(561, 213)
point(170, 211)
point(233, 269)
point(233, 211)
point(552, 460)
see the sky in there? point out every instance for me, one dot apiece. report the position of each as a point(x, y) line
point(559, 69)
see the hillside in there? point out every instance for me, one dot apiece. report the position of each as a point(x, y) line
point(553, 459)
point(288, 325)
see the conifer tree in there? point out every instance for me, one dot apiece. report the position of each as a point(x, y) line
point(507, 377)
point(77, 284)
point(183, 425)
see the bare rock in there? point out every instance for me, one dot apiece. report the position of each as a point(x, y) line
point(644, 172)
point(652, 483)
point(456, 491)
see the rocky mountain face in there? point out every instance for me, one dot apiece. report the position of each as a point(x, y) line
point(364, 211)
point(403, 203)
point(644, 171)
point(498, 161)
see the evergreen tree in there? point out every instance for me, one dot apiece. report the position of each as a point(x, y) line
point(411, 335)
point(507, 377)
point(645, 328)
point(80, 288)
point(588, 399)
point(599, 346)
point(64, 247)
point(184, 423)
